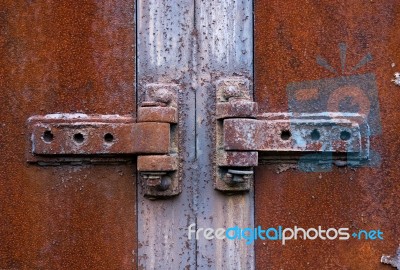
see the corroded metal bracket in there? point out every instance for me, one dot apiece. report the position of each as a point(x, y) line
point(67, 135)
point(233, 169)
point(243, 135)
point(160, 175)
point(152, 137)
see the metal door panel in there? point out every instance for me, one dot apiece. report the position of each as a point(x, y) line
point(65, 56)
point(291, 39)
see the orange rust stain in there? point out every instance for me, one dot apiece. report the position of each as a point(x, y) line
point(307, 94)
point(65, 56)
point(288, 38)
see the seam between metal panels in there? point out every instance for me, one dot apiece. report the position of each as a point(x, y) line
point(194, 76)
point(253, 77)
point(136, 54)
point(136, 86)
point(194, 79)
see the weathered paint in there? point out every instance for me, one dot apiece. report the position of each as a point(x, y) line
point(173, 50)
point(165, 45)
point(224, 35)
point(289, 38)
point(62, 57)
point(268, 135)
point(392, 260)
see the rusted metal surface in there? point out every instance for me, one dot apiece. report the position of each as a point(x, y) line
point(298, 134)
point(159, 163)
point(82, 136)
point(165, 46)
point(235, 87)
point(160, 104)
point(237, 159)
point(234, 102)
point(236, 108)
point(97, 135)
point(234, 98)
point(289, 39)
point(159, 181)
point(224, 49)
point(160, 175)
point(65, 56)
point(158, 114)
point(162, 93)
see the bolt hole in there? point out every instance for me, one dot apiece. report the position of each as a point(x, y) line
point(48, 136)
point(78, 137)
point(345, 135)
point(315, 135)
point(285, 135)
point(109, 137)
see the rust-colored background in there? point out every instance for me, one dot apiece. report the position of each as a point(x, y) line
point(65, 56)
point(289, 36)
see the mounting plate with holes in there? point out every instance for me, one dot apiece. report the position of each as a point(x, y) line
point(94, 135)
point(285, 132)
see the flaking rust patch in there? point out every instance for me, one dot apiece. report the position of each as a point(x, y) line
point(396, 79)
point(285, 167)
point(392, 260)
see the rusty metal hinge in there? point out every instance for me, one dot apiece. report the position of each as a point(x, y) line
point(244, 137)
point(56, 139)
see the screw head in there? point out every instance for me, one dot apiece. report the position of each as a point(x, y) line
point(231, 91)
point(163, 95)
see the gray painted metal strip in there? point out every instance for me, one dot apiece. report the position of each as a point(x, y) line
point(165, 44)
point(170, 51)
point(225, 48)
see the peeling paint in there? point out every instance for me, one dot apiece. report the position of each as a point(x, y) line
point(392, 260)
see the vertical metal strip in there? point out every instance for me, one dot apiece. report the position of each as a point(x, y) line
point(165, 44)
point(225, 48)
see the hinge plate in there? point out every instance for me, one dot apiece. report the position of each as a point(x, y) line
point(243, 137)
point(107, 135)
point(153, 137)
point(325, 132)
